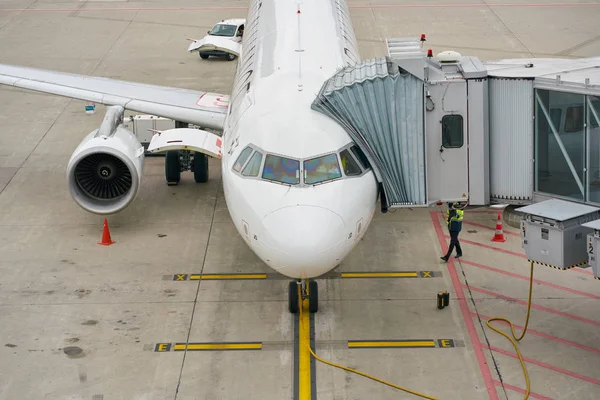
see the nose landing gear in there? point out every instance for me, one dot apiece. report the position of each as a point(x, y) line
point(300, 290)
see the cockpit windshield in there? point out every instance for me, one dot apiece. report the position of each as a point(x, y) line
point(253, 162)
point(280, 169)
point(223, 30)
point(321, 169)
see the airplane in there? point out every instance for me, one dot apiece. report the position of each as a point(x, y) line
point(299, 191)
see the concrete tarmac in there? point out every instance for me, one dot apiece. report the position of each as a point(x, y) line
point(172, 310)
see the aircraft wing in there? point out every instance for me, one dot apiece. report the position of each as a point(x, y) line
point(200, 108)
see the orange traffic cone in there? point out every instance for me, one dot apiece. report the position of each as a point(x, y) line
point(106, 240)
point(499, 236)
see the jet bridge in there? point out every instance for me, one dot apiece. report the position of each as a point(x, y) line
point(416, 119)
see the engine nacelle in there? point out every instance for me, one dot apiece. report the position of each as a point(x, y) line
point(104, 173)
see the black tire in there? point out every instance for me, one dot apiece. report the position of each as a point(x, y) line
point(313, 297)
point(293, 302)
point(172, 167)
point(200, 167)
point(230, 57)
point(203, 56)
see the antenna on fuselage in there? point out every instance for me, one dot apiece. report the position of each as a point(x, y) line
point(299, 49)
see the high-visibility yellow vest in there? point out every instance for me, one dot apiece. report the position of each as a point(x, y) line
point(455, 222)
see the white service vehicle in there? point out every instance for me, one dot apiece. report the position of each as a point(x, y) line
point(223, 40)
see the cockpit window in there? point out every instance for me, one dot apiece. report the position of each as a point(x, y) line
point(280, 169)
point(223, 30)
point(349, 164)
point(253, 166)
point(242, 159)
point(321, 169)
point(361, 157)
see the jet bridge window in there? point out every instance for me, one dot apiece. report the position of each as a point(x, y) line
point(321, 169)
point(241, 160)
point(253, 166)
point(349, 164)
point(574, 119)
point(280, 169)
point(593, 121)
point(452, 131)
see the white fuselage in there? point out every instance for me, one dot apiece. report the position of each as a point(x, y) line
point(300, 230)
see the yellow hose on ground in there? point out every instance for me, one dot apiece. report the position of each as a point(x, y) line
point(514, 338)
point(302, 328)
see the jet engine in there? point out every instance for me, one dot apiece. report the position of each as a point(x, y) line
point(105, 171)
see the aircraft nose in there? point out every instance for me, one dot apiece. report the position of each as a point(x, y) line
point(308, 239)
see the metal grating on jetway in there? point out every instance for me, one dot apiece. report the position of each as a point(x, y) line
point(381, 108)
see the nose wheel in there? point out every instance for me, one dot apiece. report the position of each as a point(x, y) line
point(300, 290)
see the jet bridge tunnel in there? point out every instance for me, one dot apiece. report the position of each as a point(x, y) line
point(452, 128)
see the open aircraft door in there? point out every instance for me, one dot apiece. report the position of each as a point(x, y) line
point(216, 43)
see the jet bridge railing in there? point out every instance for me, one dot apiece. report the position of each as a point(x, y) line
point(382, 108)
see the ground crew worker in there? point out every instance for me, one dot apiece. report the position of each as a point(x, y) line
point(454, 221)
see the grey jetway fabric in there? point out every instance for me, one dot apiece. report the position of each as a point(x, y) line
point(381, 108)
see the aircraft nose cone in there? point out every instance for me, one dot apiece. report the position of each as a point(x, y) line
point(307, 239)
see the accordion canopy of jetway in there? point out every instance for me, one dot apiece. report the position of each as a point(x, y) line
point(381, 108)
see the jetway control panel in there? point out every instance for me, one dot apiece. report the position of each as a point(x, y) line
point(555, 233)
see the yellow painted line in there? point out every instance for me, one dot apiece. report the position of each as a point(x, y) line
point(303, 352)
point(217, 346)
point(226, 276)
point(379, 274)
point(375, 344)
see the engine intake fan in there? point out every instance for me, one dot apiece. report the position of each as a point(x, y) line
point(103, 176)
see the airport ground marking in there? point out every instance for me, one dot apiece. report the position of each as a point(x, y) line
point(405, 344)
point(169, 347)
point(214, 277)
point(334, 275)
point(207, 346)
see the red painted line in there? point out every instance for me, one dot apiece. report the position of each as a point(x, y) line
point(470, 5)
point(512, 253)
point(583, 271)
point(544, 335)
point(536, 306)
point(547, 366)
point(490, 228)
point(383, 6)
point(522, 391)
point(123, 9)
point(526, 278)
point(483, 365)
